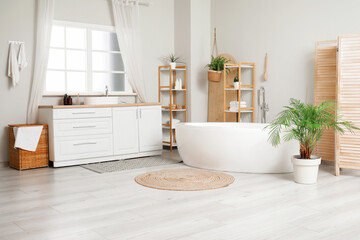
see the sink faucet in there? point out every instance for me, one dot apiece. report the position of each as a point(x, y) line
point(106, 91)
point(264, 107)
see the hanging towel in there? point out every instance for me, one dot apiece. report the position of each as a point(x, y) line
point(13, 67)
point(22, 58)
point(27, 138)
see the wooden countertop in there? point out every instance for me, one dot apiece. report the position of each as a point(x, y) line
point(99, 106)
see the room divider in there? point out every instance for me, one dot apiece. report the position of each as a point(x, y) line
point(337, 76)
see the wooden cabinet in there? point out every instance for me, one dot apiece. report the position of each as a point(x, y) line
point(86, 135)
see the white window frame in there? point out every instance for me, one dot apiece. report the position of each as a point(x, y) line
point(89, 27)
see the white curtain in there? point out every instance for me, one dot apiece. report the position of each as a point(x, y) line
point(45, 15)
point(126, 19)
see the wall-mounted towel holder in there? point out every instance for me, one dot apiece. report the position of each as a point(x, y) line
point(15, 42)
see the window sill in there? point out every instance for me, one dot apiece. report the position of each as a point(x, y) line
point(89, 94)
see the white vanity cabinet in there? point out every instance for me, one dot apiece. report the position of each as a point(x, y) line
point(150, 132)
point(126, 130)
point(96, 134)
point(137, 129)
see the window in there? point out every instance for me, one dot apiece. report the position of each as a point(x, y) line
point(84, 59)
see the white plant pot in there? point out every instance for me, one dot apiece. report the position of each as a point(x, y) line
point(236, 85)
point(173, 65)
point(306, 170)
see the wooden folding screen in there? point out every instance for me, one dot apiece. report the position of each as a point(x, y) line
point(325, 89)
point(348, 99)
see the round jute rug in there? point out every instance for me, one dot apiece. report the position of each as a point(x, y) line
point(185, 179)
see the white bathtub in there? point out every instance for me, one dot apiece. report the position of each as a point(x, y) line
point(235, 147)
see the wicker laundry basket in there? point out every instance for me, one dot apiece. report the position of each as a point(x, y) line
point(22, 159)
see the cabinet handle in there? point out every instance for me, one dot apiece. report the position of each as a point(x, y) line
point(83, 112)
point(85, 143)
point(140, 112)
point(137, 113)
point(84, 126)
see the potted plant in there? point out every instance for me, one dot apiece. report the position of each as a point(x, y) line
point(215, 67)
point(306, 123)
point(236, 81)
point(172, 60)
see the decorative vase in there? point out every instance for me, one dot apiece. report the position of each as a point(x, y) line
point(236, 85)
point(173, 65)
point(306, 170)
point(214, 76)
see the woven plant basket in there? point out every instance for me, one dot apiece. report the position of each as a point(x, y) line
point(214, 76)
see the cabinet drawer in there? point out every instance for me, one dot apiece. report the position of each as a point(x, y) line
point(68, 148)
point(81, 113)
point(80, 127)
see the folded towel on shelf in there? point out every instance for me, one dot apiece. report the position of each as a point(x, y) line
point(174, 122)
point(27, 138)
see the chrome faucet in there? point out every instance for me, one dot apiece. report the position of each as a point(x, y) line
point(106, 91)
point(264, 107)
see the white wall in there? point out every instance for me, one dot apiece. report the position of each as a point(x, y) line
point(287, 30)
point(17, 22)
point(192, 42)
point(17, 18)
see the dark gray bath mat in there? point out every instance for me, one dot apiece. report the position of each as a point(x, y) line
point(122, 165)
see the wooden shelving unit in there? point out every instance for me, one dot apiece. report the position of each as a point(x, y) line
point(230, 89)
point(170, 92)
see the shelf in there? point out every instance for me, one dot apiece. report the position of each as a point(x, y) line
point(242, 66)
point(166, 143)
point(241, 110)
point(246, 66)
point(173, 110)
point(241, 88)
point(166, 126)
point(176, 69)
point(167, 89)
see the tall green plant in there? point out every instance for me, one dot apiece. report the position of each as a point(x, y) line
point(217, 64)
point(306, 123)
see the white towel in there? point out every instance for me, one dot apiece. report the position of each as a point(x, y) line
point(174, 122)
point(27, 138)
point(13, 67)
point(22, 58)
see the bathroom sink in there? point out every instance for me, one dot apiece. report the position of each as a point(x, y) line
point(100, 100)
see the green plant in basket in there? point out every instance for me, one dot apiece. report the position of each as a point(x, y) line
point(218, 63)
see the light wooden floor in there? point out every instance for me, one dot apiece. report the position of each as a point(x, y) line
point(75, 203)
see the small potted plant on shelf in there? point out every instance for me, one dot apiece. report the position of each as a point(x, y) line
point(236, 81)
point(216, 66)
point(306, 123)
point(172, 59)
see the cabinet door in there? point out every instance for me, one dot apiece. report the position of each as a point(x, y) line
point(125, 130)
point(150, 128)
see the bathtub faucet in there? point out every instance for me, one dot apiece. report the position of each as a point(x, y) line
point(264, 107)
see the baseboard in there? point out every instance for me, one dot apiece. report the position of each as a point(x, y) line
point(67, 163)
point(4, 164)
point(327, 162)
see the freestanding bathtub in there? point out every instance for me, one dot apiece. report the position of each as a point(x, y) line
point(236, 147)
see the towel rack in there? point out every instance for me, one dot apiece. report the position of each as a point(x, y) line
point(15, 42)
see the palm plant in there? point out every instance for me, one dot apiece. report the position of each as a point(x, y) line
point(306, 123)
point(217, 64)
